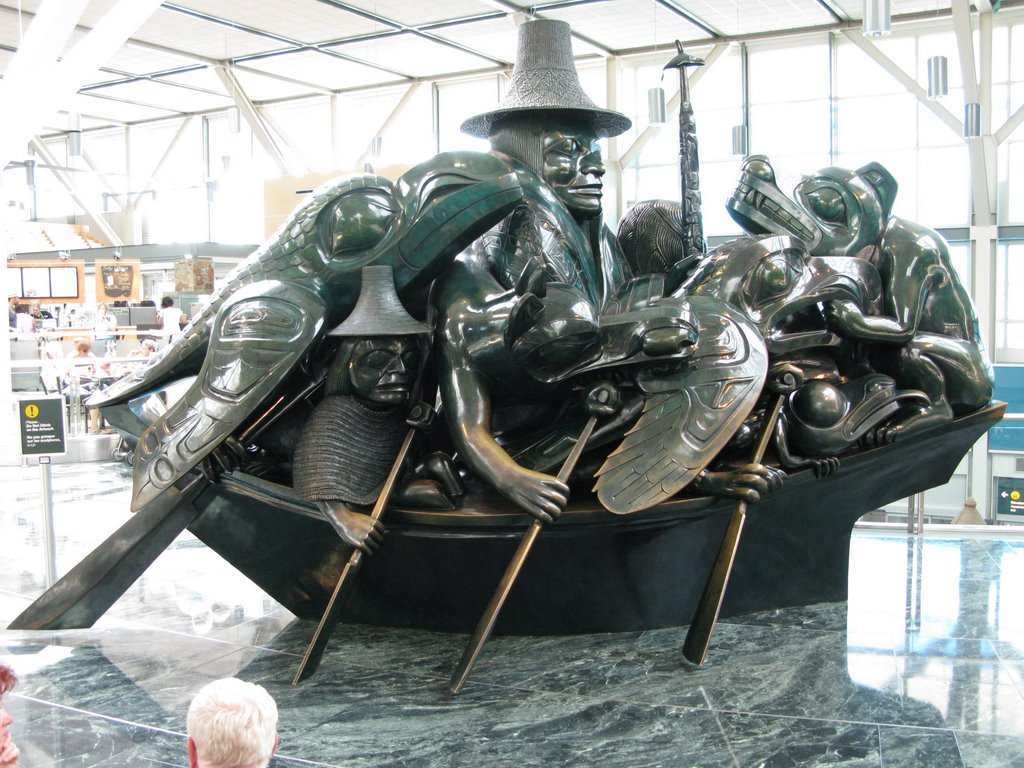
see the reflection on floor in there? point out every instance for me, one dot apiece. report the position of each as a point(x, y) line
point(923, 667)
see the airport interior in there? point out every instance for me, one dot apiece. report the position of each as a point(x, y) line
point(165, 170)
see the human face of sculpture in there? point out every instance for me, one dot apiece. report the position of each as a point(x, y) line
point(573, 167)
point(383, 368)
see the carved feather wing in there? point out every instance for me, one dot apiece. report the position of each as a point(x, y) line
point(295, 252)
point(689, 415)
point(256, 340)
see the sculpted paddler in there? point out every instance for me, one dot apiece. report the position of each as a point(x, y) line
point(546, 300)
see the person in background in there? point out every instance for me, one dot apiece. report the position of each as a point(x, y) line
point(9, 752)
point(88, 376)
point(12, 310)
point(38, 314)
point(231, 724)
point(104, 326)
point(146, 348)
point(170, 316)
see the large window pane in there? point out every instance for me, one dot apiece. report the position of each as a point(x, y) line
point(457, 102)
point(781, 129)
point(867, 124)
point(306, 126)
point(944, 187)
point(858, 75)
point(173, 207)
point(795, 70)
point(1009, 309)
point(1014, 182)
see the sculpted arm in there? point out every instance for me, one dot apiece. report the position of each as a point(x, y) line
point(908, 279)
point(465, 395)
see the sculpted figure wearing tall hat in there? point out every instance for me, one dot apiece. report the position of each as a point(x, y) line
point(548, 291)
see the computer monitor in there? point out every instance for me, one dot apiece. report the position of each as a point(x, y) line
point(143, 318)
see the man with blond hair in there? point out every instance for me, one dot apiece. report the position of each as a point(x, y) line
point(231, 724)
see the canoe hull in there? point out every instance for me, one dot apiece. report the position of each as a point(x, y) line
point(592, 571)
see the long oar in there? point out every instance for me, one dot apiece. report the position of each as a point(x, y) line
point(490, 615)
point(418, 419)
point(698, 637)
point(86, 592)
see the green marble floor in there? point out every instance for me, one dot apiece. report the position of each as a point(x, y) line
point(923, 666)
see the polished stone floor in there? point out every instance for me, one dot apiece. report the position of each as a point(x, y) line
point(924, 666)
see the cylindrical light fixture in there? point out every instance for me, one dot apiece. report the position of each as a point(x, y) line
point(656, 106)
point(972, 120)
point(877, 18)
point(739, 140)
point(938, 77)
point(74, 134)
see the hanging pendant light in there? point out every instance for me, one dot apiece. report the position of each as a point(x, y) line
point(972, 120)
point(656, 106)
point(739, 140)
point(74, 134)
point(877, 18)
point(938, 77)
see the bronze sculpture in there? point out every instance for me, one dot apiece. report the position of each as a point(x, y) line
point(533, 305)
point(547, 130)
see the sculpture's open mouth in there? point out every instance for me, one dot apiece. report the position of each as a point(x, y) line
point(761, 208)
point(880, 400)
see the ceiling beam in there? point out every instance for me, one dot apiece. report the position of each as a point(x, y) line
point(980, 151)
point(313, 87)
point(66, 179)
point(965, 47)
point(163, 159)
point(686, 15)
point(854, 36)
point(43, 84)
point(832, 11)
point(415, 30)
point(33, 59)
point(389, 121)
point(308, 160)
point(101, 177)
point(1011, 125)
point(253, 118)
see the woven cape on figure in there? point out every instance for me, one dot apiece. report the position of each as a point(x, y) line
point(347, 450)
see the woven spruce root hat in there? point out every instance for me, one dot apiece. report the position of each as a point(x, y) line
point(544, 80)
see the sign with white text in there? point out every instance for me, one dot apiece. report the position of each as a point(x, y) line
point(42, 423)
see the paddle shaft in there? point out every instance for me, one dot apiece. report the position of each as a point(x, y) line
point(487, 621)
point(332, 613)
point(698, 636)
point(86, 592)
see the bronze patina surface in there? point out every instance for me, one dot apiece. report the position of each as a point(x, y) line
point(275, 434)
